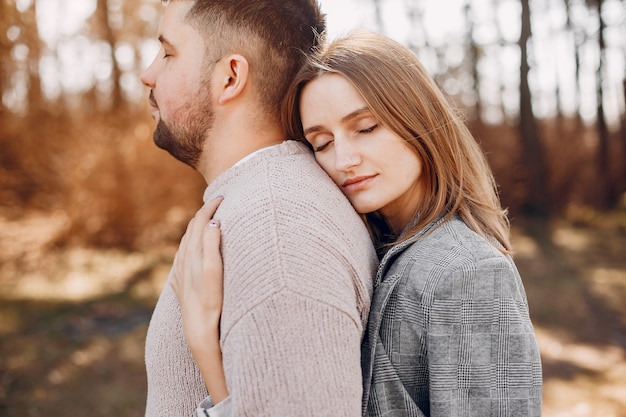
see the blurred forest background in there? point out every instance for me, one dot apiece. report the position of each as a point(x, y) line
point(91, 212)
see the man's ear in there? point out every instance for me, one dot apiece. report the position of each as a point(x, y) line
point(234, 77)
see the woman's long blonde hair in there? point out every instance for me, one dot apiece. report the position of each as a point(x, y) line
point(456, 178)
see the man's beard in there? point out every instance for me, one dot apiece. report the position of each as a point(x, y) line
point(185, 139)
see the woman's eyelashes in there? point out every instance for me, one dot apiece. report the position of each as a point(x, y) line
point(320, 144)
point(319, 148)
point(369, 129)
point(319, 141)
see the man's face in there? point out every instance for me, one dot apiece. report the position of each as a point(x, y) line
point(180, 93)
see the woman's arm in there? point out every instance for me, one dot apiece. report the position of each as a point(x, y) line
point(481, 345)
point(197, 281)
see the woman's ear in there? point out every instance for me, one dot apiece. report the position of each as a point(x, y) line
point(234, 77)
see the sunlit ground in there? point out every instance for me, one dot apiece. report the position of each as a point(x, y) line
point(73, 321)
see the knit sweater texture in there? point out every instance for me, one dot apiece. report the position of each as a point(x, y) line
point(298, 270)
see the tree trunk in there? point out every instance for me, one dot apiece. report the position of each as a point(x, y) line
point(5, 56)
point(537, 202)
point(473, 54)
point(378, 13)
point(622, 178)
point(102, 17)
point(576, 51)
point(33, 41)
point(606, 183)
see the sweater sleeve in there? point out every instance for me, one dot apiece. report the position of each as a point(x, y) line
point(297, 282)
point(293, 355)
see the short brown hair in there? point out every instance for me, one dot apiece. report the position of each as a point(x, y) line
point(397, 89)
point(274, 35)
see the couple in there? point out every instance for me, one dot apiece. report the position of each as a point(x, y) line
point(312, 321)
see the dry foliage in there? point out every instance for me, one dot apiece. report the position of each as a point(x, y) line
point(103, 174)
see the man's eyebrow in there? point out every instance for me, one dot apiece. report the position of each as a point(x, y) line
point(344, 119)
point(164, 40)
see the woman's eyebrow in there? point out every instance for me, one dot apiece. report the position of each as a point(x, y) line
point(312, 129)
point(355, 113)
point(346, 118)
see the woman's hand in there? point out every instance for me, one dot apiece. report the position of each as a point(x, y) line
point(197, 281)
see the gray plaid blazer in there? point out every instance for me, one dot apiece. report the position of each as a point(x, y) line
point(449, 333)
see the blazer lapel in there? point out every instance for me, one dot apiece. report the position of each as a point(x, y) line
point(368, 349)
point(383, 287)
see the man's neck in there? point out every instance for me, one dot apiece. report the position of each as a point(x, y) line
point(252, 155)
point(225, 149)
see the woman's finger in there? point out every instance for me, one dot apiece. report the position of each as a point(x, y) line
point(207, 211)
point(191, 258)
point(212, 265)
point(198, 223)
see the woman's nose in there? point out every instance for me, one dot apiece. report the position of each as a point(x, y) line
point(347, 154)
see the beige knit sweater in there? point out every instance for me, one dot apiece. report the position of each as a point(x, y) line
point(298, 268)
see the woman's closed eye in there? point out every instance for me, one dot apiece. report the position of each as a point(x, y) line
point(319, 147)
point(319, 140)
point(369, 129)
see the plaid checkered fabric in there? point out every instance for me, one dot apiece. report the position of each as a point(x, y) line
point(449, 333)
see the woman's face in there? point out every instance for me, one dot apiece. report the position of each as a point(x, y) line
point(372, 165)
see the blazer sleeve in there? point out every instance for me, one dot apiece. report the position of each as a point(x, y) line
point(483, 358)
point(222, 409)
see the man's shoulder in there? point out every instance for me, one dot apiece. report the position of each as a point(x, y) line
point(286, 181)
point(296, 171)
point(286, 226)
point(289, 163)
point(283, 196)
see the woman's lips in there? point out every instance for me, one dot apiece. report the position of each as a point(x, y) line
point(357, 183)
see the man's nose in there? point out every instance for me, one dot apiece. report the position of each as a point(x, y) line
point(147, 76)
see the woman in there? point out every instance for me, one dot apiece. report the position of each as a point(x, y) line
point(449, 332)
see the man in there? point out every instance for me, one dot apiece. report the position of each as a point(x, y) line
point(298, 262)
